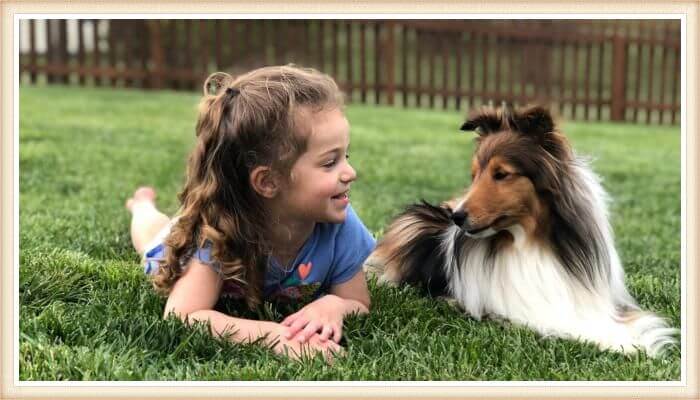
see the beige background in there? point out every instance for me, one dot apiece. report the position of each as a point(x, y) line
point(688, 8)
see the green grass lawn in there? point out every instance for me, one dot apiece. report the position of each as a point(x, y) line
point(87, 312)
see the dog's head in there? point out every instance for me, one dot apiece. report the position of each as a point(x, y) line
point(516, 170)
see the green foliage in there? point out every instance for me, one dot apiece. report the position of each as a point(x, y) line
point(87, 312)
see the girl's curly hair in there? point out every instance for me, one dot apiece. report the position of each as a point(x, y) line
point(243, 123)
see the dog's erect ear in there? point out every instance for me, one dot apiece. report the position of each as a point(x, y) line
point(483, 123)
point(536, 121)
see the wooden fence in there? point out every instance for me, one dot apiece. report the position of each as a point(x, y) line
point(592, 70)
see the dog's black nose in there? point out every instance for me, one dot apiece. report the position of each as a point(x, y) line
point(459, 217)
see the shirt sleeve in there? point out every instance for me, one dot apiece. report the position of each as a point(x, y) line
point(203, 254)
point(353, 244)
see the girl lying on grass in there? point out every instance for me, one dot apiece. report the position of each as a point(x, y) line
point(264, 213)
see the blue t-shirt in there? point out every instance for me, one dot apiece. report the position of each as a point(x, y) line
point(331, 255)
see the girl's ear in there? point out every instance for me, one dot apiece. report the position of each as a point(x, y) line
point(264, 181)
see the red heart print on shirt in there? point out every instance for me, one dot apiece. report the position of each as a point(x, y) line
point(304, 270)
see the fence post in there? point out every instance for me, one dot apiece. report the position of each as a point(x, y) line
point(390, 51)
point(156, 55)
point(619, 78)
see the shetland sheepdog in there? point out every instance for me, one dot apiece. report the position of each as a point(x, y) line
point(529, 241)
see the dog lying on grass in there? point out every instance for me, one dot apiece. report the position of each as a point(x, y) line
point(528, 241)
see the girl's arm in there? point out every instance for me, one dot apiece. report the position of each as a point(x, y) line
point(326, 314)
point(354, 293)
point(193, 297)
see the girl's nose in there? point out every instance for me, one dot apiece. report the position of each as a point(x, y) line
point(349, 174)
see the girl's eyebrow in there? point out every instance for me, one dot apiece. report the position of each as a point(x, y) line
point(335, 150)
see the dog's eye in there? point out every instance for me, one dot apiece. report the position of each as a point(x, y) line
point(500, 175)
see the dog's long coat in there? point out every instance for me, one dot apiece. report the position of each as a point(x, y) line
point(529, 241)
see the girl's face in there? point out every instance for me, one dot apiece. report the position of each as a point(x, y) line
point(320, 179)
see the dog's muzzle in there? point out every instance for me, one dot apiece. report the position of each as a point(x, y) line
point(459, 218)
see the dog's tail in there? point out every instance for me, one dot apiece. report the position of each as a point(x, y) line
point(410, 250)
point(650, 332)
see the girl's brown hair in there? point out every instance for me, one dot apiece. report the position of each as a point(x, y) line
point(243, 123)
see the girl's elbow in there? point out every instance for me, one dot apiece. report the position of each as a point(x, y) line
point(174, 311)
point(365, 306)
point(182, 313)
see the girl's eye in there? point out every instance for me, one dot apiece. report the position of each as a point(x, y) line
point(330, 163)
point(500, 175)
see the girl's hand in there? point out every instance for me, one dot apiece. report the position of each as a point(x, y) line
point(324, 315)
point(296, 349)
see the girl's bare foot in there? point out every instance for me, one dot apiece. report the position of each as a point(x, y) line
point(142, 195)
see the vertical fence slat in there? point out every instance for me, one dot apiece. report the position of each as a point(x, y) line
point(218, 44)
point(363, 64)
point(139, 41)
point(156, 54)
point(522, 97)
point(418, 85)
point(575, 79)
point(377, 70)
point(404, 65)
point(81, 53)
point(280, 29)
point(664, 69)
point(114, 26)
point(320, 36)
point(334, 49)
point(587, 81)
point(457, 45)
point(445, 71)
point(619, 92)
point(280, 48)
point(650, 80)
point(511, 46)
point(562, 76)
point(63, 49)
point(49, 58)
point(203, 44)
point(188, 62)
point(432, 55)
point(601, 59)
point(472, 67)
point(128, 43)
point(32, 51)
point(484, 66)
point(675, 101)
point(638, 73)
point(390, 51)
point(350, 59)
point(172, 60)
point(310, 47)
point(96, 51)
point(246, 28)
point(143, 53)
point(497, 69)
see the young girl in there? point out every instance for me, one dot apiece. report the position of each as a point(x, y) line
point(264, 212)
